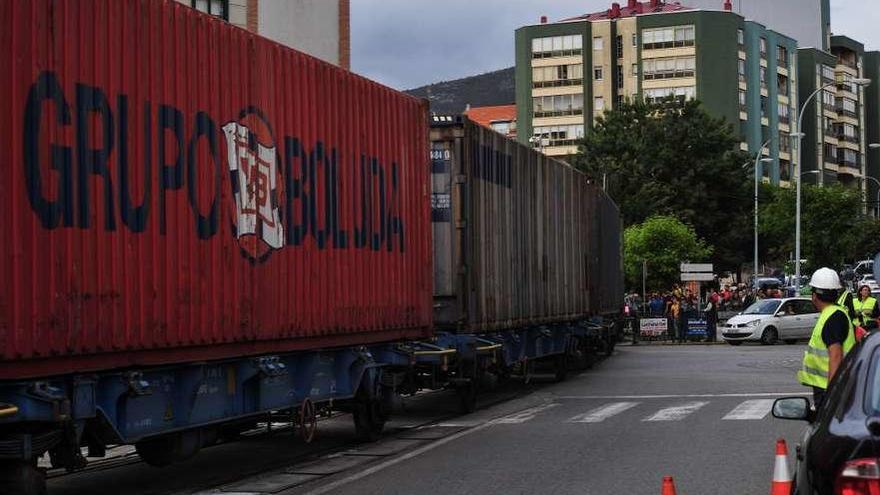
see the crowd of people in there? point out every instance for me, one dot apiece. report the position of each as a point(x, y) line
point(680, 304)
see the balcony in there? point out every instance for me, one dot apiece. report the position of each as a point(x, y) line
point(844, 162)
point(559, 113)
point(849, 139)
point(561, 83)
point(668, 44)
point(784, 120)
point(558, 53)
point(845, 113)
point(649, 76)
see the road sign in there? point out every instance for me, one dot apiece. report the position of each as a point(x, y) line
point(696, 267)
point(697, 277)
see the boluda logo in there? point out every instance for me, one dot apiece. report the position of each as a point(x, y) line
point(283, 192)
point(255, 178)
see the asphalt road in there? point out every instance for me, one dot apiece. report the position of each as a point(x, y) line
point(698, 413)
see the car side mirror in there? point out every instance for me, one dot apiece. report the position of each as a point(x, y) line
point(796, 408)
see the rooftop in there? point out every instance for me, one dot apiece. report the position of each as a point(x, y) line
point(487, 115)
point(632, 8)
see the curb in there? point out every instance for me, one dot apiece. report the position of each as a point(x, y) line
point(642, 343)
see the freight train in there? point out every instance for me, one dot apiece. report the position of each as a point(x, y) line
point(202, 228)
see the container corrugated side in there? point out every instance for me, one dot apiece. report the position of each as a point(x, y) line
point(518, 233)
point(175, 189)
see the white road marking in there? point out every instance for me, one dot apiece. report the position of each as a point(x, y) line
point(690, 396)
point(676, 413)
point(751, 409)
point(525, 415)
point(419, 451)
point(602, 413)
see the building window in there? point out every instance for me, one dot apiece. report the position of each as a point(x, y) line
point(557, 46)
point(619, 77)
point(782, 84)
point(782, 57)
point(668, 68)
point(217, 8)
point(847, 107)
point(560, 135)
point(828, 101)
point(829, 151)
point(784, 113)
point(680, 93)
point(763, 78)
point(620, 100)
point(784, 142)
point(847, 132)
point(763, 47)
point(671, 37)
point(598, 104)
point(619, 46)
point(598, 44)
point(635, 39)
point(741, 70)
point(741, 39)
point(597, 73)
point(558, 75)
point(635, 69)
point(847, 158)
point(784, 170)
point(558, 105)
point(828, 74)
point(501, 126)
point(742, 101)
point(763, 107)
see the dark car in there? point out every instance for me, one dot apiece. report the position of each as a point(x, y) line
point(840, 450)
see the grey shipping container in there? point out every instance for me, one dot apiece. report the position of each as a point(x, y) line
point(520, 239)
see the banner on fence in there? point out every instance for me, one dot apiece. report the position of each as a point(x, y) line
point(653, 327)
point(698, 328)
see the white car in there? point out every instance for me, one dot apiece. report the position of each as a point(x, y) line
point(770, 320)
point(869, 281)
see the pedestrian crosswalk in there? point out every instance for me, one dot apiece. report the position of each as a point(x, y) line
point(649, 411)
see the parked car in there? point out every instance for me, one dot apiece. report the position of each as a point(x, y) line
point(769, 283)
point(770, 320)
point(838, 451)
point(869, 281)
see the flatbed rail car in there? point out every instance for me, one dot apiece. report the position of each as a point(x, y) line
point(193, 237)
point(527, 261)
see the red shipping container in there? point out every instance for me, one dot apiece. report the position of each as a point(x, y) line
point(175, 189)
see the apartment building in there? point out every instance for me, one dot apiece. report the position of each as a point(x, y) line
point(571, 71)
point(321, 28)
point(807, 21)
point(836, 141)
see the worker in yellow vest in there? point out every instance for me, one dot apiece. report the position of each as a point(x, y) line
point(866, 306)
point(847, 302)
point(832, 337)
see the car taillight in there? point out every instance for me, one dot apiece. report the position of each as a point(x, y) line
point(859, 477)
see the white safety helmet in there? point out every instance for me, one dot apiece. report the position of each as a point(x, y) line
point(825, 279)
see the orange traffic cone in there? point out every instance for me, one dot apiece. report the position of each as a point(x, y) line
point(668, 486)
point(781, 474)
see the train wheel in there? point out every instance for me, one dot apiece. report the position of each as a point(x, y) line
point(22, 478)
point(308, 421)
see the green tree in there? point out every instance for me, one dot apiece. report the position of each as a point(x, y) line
point(673, 158)
point(664, 242)
point(833, 228)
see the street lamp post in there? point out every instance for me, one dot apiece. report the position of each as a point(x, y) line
point(758, 161)
point(874, 146)
point(799, 135)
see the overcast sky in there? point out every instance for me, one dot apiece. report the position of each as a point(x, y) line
point(409, 43)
